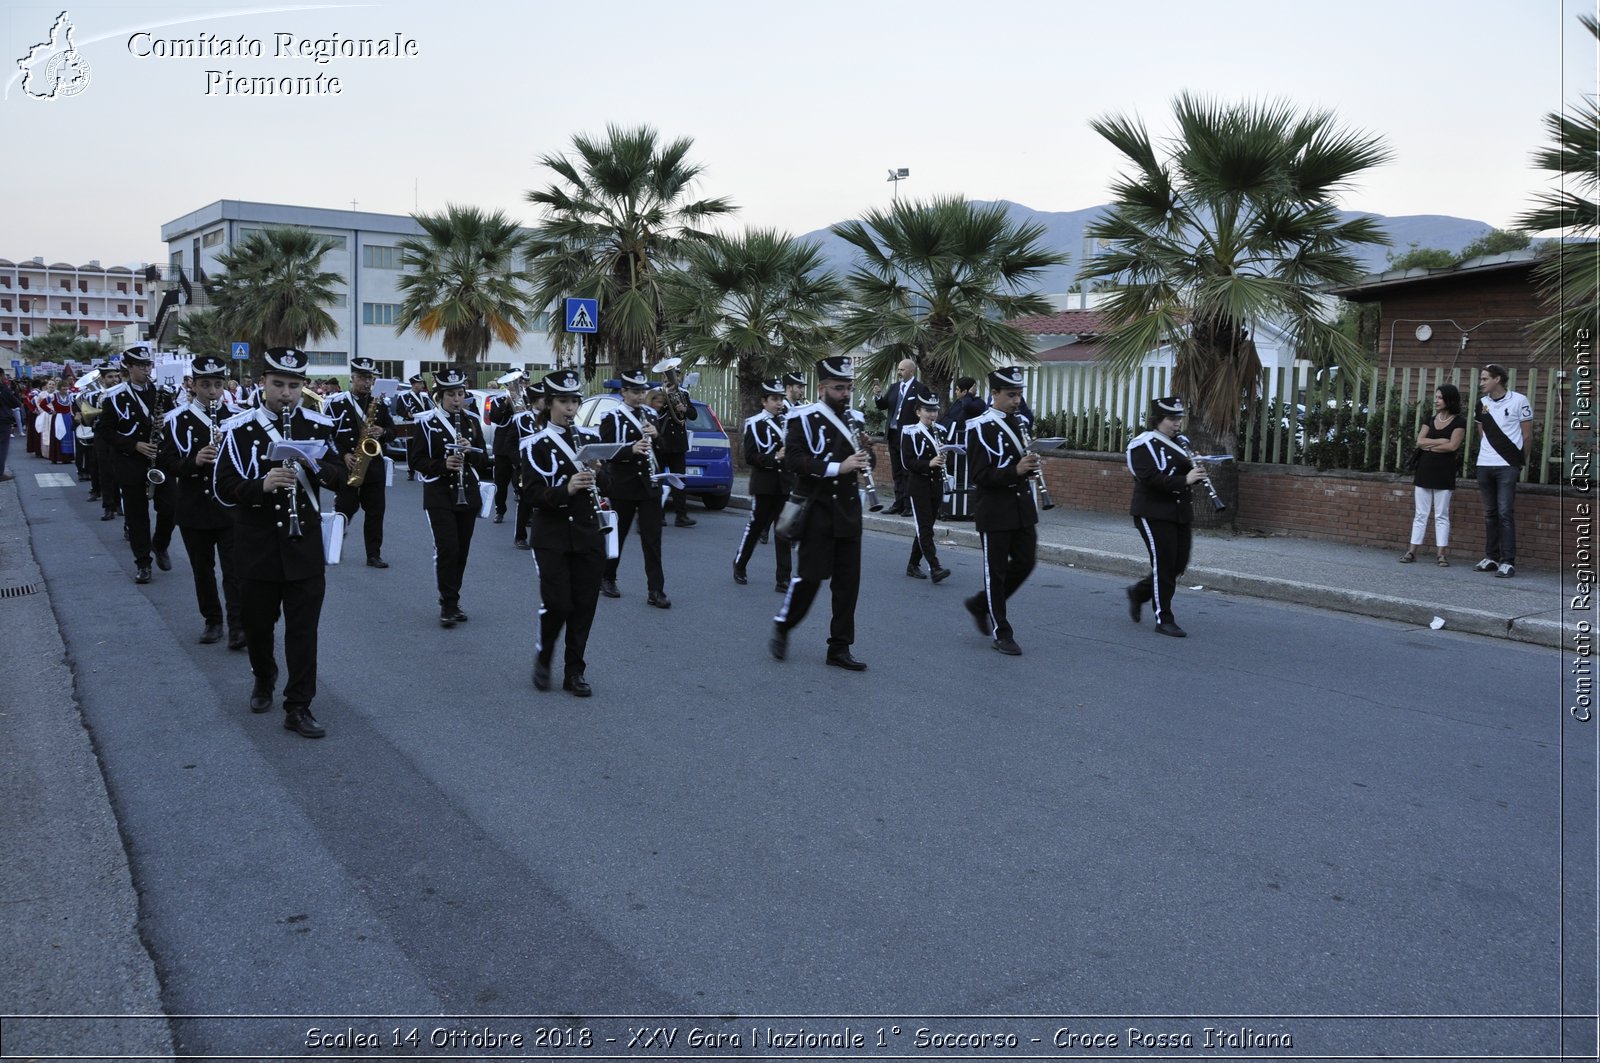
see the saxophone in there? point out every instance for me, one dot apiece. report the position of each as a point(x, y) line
point(367, 448)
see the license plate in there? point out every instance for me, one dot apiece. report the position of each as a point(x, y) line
point(693, 470)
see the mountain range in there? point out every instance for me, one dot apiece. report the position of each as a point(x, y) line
point(1063, 232)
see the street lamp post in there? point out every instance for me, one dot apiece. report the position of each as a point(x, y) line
point(896, 175)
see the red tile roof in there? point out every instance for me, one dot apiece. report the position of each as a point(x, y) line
point(1061, 323)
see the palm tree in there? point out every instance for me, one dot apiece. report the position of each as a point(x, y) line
point(464, 280)
point(1570, 275)
point(200, 332)
point(936, 282)
point(273, 290)
point(760, 301)
point(1234, 226)
point(617, 216)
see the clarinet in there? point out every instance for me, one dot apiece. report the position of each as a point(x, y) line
point(461, 473)
point(294, 485)
point(1216, 500)
point(1036, 484)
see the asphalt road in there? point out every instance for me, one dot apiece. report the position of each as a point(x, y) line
point(1292, 813)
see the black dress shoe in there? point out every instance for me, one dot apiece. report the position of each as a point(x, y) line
point(577, 685)
point(301, 722)
point(212, 633)
point(458, 616)
point(520, 544)
point(740, 576)
point(1172, 630)
point(778, 644)
point(143, 575)
point(915, 572)
point(94, 496)
point(842, 659)
point(980, 616)
point(109, 514)
point(236, 639)
point(1135, 606)
point(260, 700)
point(447, 618)
point(499, 518)
point(608, 587)
point(541, 674)
point(1008, 647)
point(685, 522)
point(765, 536)
point(782, 586)
point(940, 575)
point(163, 562)
point(377, 562)
point(660, 601)
point(125, 536)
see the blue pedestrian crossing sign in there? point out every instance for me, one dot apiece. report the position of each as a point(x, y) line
point(583, 315)
point(241, 352)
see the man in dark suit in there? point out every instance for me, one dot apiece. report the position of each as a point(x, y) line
point(899, 403)
point(349, 410)
point(1006, 518)
point(277, 534)
point(821, 449)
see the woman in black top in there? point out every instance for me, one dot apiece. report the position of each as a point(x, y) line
point(1438, 459)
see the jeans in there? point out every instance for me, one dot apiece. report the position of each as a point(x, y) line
point(1498, 484)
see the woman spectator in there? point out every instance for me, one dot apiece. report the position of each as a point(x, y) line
point(1438, 460)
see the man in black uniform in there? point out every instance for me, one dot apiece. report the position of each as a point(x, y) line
point(821, 450)
point(568, 543)
point(410, 405)
point(672, 445)
point(528, 424)
point(89, 410)
point(277, 536)
point(1162, 509)
point(188, 457)
point(358, 416)
point(502, 409)
point(133, 412)
point(633, 490)
point(448, 455)
point(923, 463)
point(1006, 518)
point(769, 486)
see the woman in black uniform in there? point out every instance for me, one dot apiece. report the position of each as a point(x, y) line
point(1162, 510)
point(924, 466)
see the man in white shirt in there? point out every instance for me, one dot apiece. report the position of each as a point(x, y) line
point(1505, 418)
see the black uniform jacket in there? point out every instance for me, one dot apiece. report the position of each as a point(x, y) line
point(918, 448)
point(187, 431)
point(561, 520)
point(503, 412)
point(349, 414)
point(262, 549)
point(813, 450)
point(1159, 466)
point(412, 404)
point(1005, 499)
point(630, 472)
point(133, 416)
point(763, 438)
point(674, 437)
point(427, 451)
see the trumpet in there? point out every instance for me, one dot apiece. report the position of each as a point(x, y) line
point(1036, 484)
point(1216, 500)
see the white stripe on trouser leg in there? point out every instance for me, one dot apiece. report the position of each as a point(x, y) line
point(788, 596)
point(434, 536)
point(988, 589)
point(737, 554)
point(538, 618)
point(916, 528)
point(1155, 569)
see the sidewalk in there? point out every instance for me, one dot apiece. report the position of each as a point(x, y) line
point(1351, 579)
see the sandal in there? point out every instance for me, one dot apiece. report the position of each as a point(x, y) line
point(1408, 557)
point(1442, 562)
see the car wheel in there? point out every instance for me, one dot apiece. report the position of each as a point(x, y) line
point(715, 501)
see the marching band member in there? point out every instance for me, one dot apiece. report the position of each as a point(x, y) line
point(1006, 518)
point(349, 412)
point(568, 543)
point(763, 453)
point(528, 423)
point(410, 405)
point(105, 466)
point(133, 412)
point(188, 457)
point(794, 392)
point(672, 402)
point(278, 551)
point(448, 455)
point(633, 492)
point(1162, 510)
point(822, 450)
point(925, 481)
point(502, 408)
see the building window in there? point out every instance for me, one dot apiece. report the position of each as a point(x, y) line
point(22, 282)
point(27, 330)
point(340, 300)
point(66, 306)
point(6, 329)
point(83, 286)
point(66, 286)
point(5, 282)
point(430, 368)
point(5, 304)
point(327, 358)
point(377, 256)
point(212, 238)
point(83, 308)
point(122, 309)
point(340, 243)
point(379, 313)
point(138, 289)
point(138, 309)
point(245, 234)
point(122, 286)
point(390, 370)
point(26, 306)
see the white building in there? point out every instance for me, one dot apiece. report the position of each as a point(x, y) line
point(366, 255)
point(34, 296)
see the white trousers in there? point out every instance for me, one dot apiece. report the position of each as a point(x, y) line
point(1439, 502)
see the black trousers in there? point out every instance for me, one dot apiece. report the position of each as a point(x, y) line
point(105, 478)
point(372, 498)
point(136, 512)
point(925, 499)
point(524, 512)
point(300, 601)
point(1168, 544)
point(896, 469)
point(1008, 557)
point(676, 498)
point(452, 542)
point(762, 515)
point(569, 590)
point(649, 511)
point(205, 547)
point(505, 470)
point(839, 562)
point(83, 457)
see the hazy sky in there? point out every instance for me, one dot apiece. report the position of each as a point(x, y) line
point(796, 113)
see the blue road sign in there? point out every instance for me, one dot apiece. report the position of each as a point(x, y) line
point(241, 352)
point(583, 315)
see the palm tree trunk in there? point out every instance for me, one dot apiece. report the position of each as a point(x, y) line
point(748, 375)
point(1224, 476)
